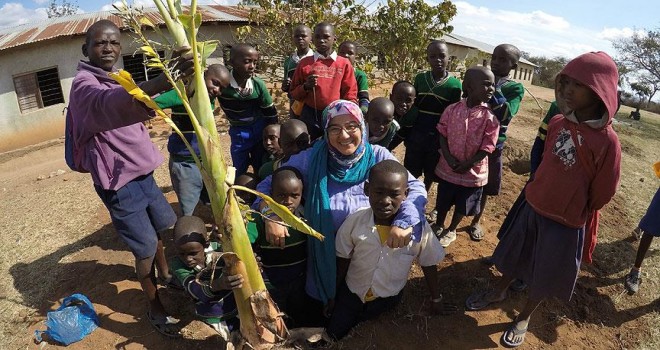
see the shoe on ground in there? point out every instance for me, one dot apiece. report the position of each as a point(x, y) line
point(448, 238)
point(633, 280)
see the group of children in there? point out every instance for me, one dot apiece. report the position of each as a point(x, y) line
point(455, 142)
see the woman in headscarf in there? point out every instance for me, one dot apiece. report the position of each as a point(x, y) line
point(334, 171)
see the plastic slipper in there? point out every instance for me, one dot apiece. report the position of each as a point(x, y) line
point(514, 333)
point(432, 216)
point(476, 234)
point(477, 300)
point(164, 325)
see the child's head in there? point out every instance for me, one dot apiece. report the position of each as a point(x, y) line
point(287, 187)
point(437, 55)
point(380, 116)
point(216, 77)
point(294, 137)
point(386, 188)
point(348, 49)
point(190, 240)
point(505, 58)
point(403, 96)
point(243, 59)
point(250, 181)
point(302, 36)
point(102, 44)
point(478, 85)
point(324, 38)
point(588, 87)
point(271, 140)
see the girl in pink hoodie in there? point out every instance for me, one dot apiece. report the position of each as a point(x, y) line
point(543, 240)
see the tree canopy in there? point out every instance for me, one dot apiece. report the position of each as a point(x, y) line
point(640, 55)
point(61, 8)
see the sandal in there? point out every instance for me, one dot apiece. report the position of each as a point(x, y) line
point(432, 216)
point(517, 336)
point(164, 325)
point(477, 300)
point(475, 232)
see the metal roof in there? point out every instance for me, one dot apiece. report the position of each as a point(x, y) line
point(460, 40)
point(77, 24)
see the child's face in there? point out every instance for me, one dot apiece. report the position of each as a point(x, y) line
point(480, 87)
point(288, 192)
point(301, 38)
point(386, 192)
point(379, 123)
point(244, 63)
point(324, 39)
point(344, 134)
point(103, 48)
point(577, 96)
point(502, 62)
point(249, 182)
point(348, 50)
point(403, 98)
point(191, 254)
point(271, 140)
point(438, 58)
point(215, 84)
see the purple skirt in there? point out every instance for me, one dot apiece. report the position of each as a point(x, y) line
point(543, 253)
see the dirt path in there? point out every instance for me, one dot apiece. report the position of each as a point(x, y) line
point(62, 242)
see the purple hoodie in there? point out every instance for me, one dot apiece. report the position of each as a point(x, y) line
point(108, 129)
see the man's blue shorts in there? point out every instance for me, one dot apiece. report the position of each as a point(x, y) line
point(139, 211)
point(188, 185)
point(650, 223)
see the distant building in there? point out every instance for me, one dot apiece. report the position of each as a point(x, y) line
point(38, 63)
point(477, 53)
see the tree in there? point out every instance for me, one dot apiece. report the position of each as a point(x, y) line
point(547, 69)
point(640, 54)
point(64, 8)
point(402, 29)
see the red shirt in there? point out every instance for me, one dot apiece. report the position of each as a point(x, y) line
point(568, 184)
point(336, 80)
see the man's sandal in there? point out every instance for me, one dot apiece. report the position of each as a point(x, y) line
point(478, 300)
point(165, 325)
point(516, 335)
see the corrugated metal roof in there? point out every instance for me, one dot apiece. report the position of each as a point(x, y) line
point(475, 44)
point(77, 24)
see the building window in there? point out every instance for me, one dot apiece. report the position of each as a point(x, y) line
point(39, 89)
point(134, 64)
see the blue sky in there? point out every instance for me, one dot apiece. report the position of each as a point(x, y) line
point(548, 28)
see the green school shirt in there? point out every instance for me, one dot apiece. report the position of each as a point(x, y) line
point(244, 110)
point(431, 100)
point(513, 92)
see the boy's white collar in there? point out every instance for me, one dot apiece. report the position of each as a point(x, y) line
point(332, 56)
point(245, 91)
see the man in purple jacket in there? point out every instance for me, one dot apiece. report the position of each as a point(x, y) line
point(118, 153)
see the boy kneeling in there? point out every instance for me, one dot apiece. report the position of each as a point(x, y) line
point(376, 274)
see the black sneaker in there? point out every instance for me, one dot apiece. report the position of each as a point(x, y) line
point(633, 280)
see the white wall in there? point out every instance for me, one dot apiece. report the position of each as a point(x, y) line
point(19, 130)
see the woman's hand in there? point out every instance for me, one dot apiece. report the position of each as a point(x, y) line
point(276, 233)
point(399, 237)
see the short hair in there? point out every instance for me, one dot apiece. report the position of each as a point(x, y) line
point(436, 42)
point(511, 50)
point(286, 173)
point(250, 180)
point(189, 229)
point(102, 24)
point(388, 166)
point(301, 26)
point(349, 42)
point(402, 83)
point(325, 24)
point(218, 69)
point(471, 73)
point(239, 48)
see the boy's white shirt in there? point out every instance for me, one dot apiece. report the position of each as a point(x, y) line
point(245, 91)
point(376, 266)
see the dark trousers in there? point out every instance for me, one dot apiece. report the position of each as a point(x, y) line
point(350, 310)
point(313, 118)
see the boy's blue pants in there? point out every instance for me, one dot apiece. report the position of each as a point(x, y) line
point(247, 146)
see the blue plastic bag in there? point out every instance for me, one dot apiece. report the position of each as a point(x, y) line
point(71, 322)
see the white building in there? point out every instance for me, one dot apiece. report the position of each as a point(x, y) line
point(38, 63)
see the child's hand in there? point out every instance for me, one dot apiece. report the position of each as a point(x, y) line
point(399, 237)
point(463, 168)
point(441, 308)
point(286, 84)
point(227, 282)
point(329, 308)
point(452, 161)
point(310, 82)
point(182, 61)
point(276, 233)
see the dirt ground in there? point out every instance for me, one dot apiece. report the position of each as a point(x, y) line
point(60, 241)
